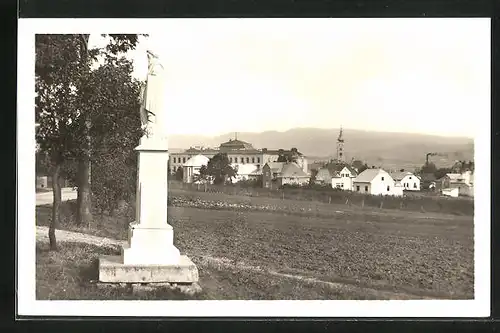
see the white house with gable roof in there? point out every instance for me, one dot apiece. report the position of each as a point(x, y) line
point(376, 182)
point(344, 178)
point(408, 180)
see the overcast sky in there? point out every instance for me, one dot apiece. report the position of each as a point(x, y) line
point(404, 75)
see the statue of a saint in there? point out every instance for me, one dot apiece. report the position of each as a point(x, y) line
point(152, 96)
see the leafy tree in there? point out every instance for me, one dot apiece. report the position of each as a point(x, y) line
point(288, 157)
point(314, 173)
point(179, 174)
point(112, 52)
point(63, 111)
point(462, 166)
point(202, 176)
point(428, 168)
point(362, 168)
point(115, 132)
point(219, 169)
point(42, 166)
point(441, 172)
point(56, 67)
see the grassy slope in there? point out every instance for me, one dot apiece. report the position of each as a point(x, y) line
point(428, 255)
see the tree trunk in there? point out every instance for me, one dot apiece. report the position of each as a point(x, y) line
point(84, 214)
point(56, 190)
point(84, 199)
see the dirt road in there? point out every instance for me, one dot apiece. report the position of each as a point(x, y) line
point(46, 198)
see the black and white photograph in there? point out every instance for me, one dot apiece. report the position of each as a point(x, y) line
point(254, 167)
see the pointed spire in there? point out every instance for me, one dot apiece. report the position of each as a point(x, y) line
point(340, 138)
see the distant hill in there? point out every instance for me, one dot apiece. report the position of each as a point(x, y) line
point(386, 149)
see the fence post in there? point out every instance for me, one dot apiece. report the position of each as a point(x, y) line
point(330, 199)
point(283, 195)
point(347, 201)
point(363, 203)
point(381, 203)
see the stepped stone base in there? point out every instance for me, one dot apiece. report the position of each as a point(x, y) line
point(112, 269)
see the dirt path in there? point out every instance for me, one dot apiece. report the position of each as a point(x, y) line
point(70, 236)
point(46, 198)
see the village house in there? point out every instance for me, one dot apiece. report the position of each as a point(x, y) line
point(407, 180)
point(276, 174)
point(255, 175)
point(292, 174)
point(323, 177)
point(192, 167)
point(344, 178)
point(270, 173)
point(244, 171)
point(267, 176)
point(275, 168)
point(464, 182)
point(376, 182)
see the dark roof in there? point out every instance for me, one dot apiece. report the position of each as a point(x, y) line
point(236, 144)
point(192, 150)
point(400, 175)
point(277, 151)
point(352, 170)
point(334, 168)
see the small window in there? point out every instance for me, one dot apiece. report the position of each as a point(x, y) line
point(388, 188)
point(248, 160)
point(253, 159)
point(410, 177)
point(414, 185)
point(342, 185)
point(258, 159)
point(242, 160)
point(366, 188)
point(183, 160)
point(382, 178)
point(175, 160)
point(357, 188)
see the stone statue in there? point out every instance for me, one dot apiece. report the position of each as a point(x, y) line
point(152, 96)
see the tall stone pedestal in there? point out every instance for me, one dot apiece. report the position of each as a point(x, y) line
point(150, 255)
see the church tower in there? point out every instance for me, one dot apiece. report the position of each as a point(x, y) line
point(340, 147)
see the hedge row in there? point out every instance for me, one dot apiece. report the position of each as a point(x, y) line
point(423, 203)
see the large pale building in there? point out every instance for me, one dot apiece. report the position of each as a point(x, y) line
point(239, 152)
